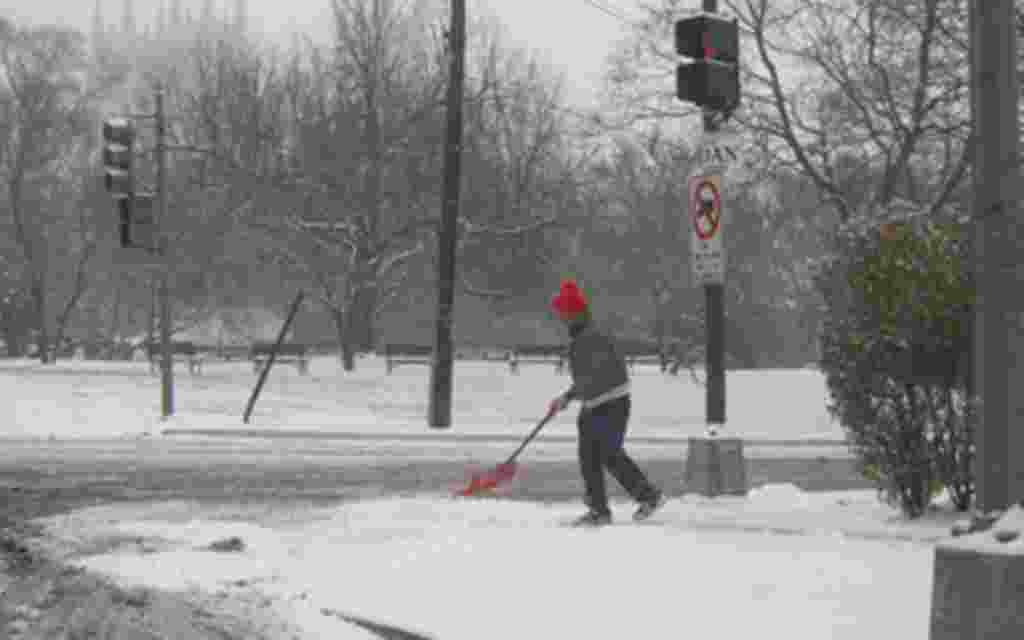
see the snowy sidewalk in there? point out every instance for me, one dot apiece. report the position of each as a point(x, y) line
point(461, 569)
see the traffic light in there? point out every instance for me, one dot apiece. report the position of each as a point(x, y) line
point(711, 80)
point(137, 222)
point(118, 150)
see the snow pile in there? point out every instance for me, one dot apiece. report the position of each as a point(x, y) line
point(462, 569)
point(785, 508)
point(783, 495)
point(1006, 536)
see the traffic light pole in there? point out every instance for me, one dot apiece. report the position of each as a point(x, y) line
point(714, 312)
point(118, 152)
point(166, 354)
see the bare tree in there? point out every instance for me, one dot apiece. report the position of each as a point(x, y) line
point(853, 111)
point(389, 76)
point(43, 151)
point(867, 98)
point(639, 190)
point(225, 98)
point(340, 196)
point(639, 85)
point(521, 177)
point(880, 117)
point(233, 121)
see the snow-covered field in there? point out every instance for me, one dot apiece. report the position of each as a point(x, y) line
point(86, 399)
point(778, 562)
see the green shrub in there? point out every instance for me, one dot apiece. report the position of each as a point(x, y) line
point(895, 344)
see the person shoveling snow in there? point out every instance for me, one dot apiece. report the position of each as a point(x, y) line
point(600, 381)
point(601, 384)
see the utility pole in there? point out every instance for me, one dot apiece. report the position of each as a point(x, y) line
point(714, 311)
point(440, 409)
point(166, 355)
point(976, 586)
point(998, 317)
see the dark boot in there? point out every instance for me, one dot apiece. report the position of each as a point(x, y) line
point(593, 519)
point(648, 507)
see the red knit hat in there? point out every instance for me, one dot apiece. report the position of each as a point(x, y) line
point(570, 300)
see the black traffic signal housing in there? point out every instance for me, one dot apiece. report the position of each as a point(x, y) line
point(118, 154)
point(137, 224)
point(711, 80)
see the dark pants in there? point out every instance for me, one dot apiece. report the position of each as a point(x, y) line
point(602, 431)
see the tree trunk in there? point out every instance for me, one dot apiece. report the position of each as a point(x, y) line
point(43, 337)
point(366, 299)
point(342, 318)
point(16, 322)
point(69, 309)
point(362, 322)
point(151, 329)
point(14, 338)
point(114, 334)
point(58, 340)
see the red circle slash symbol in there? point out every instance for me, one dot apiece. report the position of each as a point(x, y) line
point(707, 210)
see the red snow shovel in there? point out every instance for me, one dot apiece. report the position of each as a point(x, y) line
point(489, 480)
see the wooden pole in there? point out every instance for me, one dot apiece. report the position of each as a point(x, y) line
point(166, 353)
point(273, 356)
point(440, 409)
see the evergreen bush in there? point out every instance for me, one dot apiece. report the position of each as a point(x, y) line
point(895, 352)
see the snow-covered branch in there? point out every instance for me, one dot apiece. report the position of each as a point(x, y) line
point(397, 259)
point(472, 229)
point(344, 232)
point(478, 292)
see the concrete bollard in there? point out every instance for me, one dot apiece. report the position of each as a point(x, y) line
point(978, 588)
point(715, 466)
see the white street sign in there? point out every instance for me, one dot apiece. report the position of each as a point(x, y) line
point(705, 216)
point(718, 152)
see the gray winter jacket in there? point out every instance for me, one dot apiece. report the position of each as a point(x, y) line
point(598, 371)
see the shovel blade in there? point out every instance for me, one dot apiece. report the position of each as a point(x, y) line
point(490, 480)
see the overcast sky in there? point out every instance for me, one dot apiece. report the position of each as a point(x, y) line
point(572, 35)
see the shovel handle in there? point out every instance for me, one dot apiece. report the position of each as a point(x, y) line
point(533, 434)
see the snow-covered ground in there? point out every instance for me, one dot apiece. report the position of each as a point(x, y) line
point(86, 399)
point(806, 566)
point(778, 562)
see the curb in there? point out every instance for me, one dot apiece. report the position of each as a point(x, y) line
point(277, 434)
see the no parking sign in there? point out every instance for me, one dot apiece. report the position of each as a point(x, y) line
point(706, 249)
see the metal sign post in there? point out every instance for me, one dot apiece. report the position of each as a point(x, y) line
point(714, 465)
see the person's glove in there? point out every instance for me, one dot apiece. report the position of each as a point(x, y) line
point(558, 404)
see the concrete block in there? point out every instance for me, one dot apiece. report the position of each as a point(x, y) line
point(977, 594)
point(716, 466)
